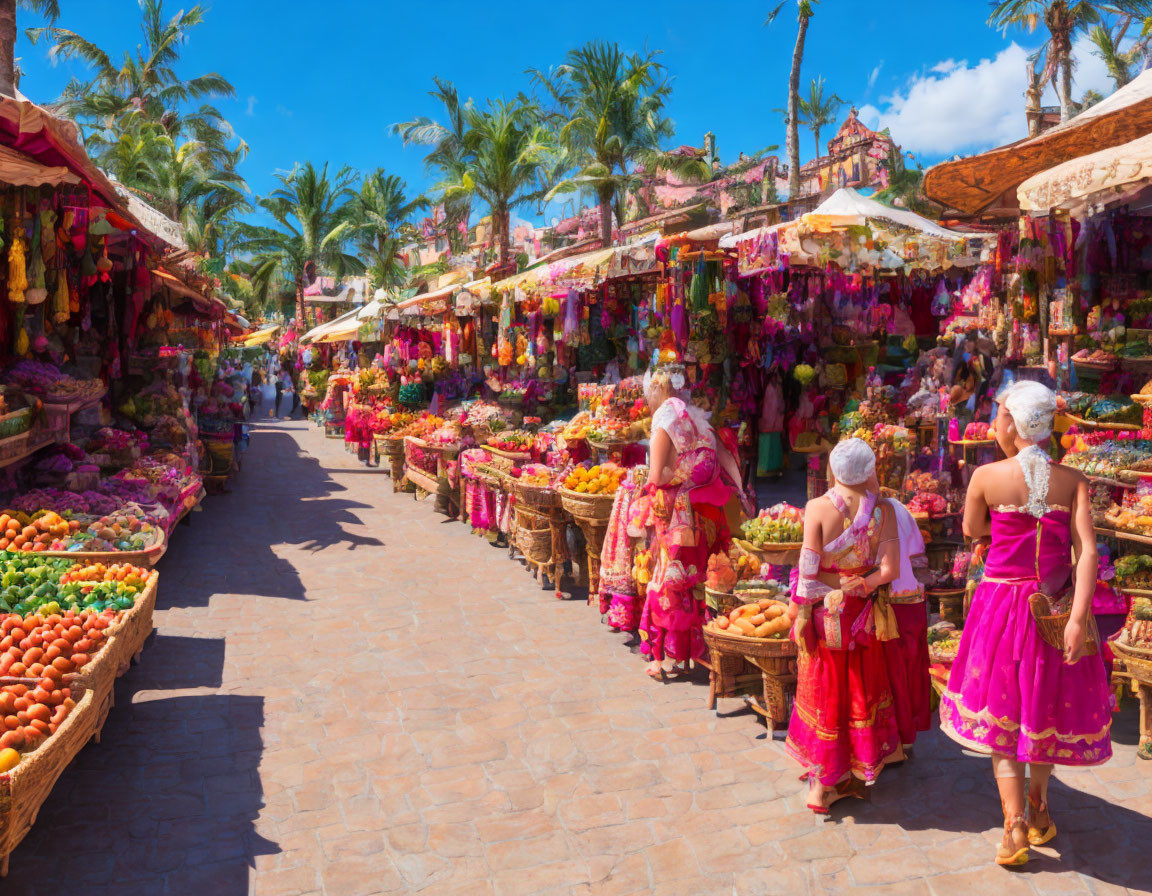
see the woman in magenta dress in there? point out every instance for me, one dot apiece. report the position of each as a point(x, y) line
point(843, 727)
point(690, 480)
point(1011, 694)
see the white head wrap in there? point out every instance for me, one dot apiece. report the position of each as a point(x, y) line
point(1032, 406)
point(672, 374)
point(852, 462)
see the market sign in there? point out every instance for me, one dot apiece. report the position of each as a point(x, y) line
point(1109, 175)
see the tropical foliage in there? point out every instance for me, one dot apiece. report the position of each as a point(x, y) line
point(310, 213)
point(155, 130)
point(1065, 21)
point(608, 110)
point(818, 111)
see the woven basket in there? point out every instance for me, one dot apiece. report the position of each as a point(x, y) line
point(147, 557)
point(515, 456)
point(1137, 660)
point(780, 649)
point(535, 544)
point(24, 789)
point(541, 497)
point(1051, 625)
point(135, 625)
point(779, 554)
point(587, 507)
point(722, 602)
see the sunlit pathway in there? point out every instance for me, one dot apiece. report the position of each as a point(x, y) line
point(349, 695)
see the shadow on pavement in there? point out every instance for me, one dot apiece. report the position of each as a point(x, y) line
point(166, 803)
point(283, 497)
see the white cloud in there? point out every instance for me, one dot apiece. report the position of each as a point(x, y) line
point(947, 65)
point(875, 74)
point(251, 110)
point(955, 106)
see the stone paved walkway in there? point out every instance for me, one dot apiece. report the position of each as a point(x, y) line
point(348, 695)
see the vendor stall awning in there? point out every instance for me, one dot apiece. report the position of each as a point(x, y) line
point(988, 182)
point(341, 330)
point(23, 171)
point(577, 265)
point(846, 208)
point(205, 304)
point(1108, 175)
point(261, 336)
point(317, 334)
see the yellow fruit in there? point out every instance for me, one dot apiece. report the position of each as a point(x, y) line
point(9, 759)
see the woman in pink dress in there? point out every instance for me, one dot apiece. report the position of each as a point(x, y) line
point(1011, 694)
point(843, 726)
point(691, 478)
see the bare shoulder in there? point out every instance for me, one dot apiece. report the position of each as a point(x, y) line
point(1069, 475)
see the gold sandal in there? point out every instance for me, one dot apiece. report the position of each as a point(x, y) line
point(1038, 836)
point(1009, 853)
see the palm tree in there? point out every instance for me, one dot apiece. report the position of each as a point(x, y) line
point(310, 211)
point(145, 83)
point(1120, 63)
point(804, 12)
point(1064, 19)
point(609, 112)
point(904, 188)
point(50, 9)
point(447, 156)
point(817, 111)
point(381, 226)
point(505, 151)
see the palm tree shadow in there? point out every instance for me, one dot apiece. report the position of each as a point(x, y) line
point(283, 498)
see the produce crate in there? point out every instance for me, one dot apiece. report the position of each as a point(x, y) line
point(134, 626)
point(13, 447)
point(24, 789)
point(15, 422)
point(148, 557)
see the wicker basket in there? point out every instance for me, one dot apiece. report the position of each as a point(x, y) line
point(535, 544)
point(539, 497)
point(781, 650)
point(586, 507)
point(135, 625)
point(515, 456)
point(1137, 660)
point(148, 557)
point(722, 602)
point(24, 789)
point(1051, 625)
point(779, 554)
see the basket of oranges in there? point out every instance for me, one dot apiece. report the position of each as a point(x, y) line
point(588, 492)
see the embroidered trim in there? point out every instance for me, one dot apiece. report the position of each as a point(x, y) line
point(1015, 508)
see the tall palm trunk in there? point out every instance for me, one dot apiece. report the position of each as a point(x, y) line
point(8, 47)
point(500, 220)
point(300, 304)
point(1066, 89)
point(816, 135)
point(793, 137)
point(604, 195)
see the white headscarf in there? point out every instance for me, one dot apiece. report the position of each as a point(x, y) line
point(1032, 406)
point(852, 462)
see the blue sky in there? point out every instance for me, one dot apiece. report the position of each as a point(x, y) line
point(325, 81)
